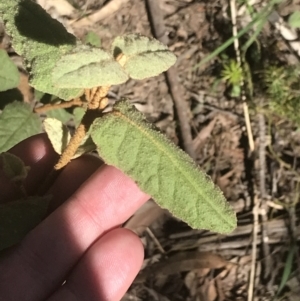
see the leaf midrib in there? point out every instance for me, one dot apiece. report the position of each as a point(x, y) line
point(174, 161)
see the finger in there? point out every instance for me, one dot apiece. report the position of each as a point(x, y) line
point(108, 198)
point(106, 271)
point(36, 152)
point(71, 178)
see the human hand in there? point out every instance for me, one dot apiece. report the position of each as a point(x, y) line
point(80, 241)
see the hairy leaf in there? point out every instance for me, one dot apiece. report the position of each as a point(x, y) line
point(19, 217)
point(13, 167)
point(125, 140)
point(42, 68)
point(142, 57)
point(61, 114)
point(9, 74)
point(78, 113)
point(86, 146)
point(60, 136)
point(294, 19)
point(17, 122)
point(41, 40)
point(88, 67)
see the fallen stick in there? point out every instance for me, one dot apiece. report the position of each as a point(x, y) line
point(181, 106)
point(100, 14)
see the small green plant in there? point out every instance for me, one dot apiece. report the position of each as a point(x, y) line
point(232, 74)
point(283, 89)
point(81, 76)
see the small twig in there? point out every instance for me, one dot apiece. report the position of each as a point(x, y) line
point(62, 105)
point(248, 127)
point(254, 248)
point(101, 14)
point(267, 261)
point(262, 154)
point(182, 108)
point(239, 61)
point(155, 240)
point(251, 146)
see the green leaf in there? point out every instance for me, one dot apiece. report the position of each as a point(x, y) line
point(41, 79)
point(61, 114)
point(294, 19)
point(60, 137)
point(142, 57)
point(88, 67)
point(125, 140)
point(78, 114)
point(13, 167)
point(19, 217)
point(41, 40)
point(93, 39)
point(86, 146)
point(17, 122)
point(9, 74)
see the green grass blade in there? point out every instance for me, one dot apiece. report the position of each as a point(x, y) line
point(287, 269)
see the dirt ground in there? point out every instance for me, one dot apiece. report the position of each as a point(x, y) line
point(258, 171)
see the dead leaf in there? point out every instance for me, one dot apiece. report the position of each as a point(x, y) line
point(102, 13)
point(62, 7)
point(186, 261)
point(144, 217)
point(204, 134)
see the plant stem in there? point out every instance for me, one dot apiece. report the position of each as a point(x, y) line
point(182, 108)
point(62, 105)
point(76, 139)
point(97, 101)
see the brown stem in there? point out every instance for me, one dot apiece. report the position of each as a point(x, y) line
point(78, 136)
point(71, 148)
point(62, 105)
point(177, 92)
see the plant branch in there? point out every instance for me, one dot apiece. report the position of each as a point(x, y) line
point(267, 261)
point(181, 106)
point(62, 105)
point(97, 101)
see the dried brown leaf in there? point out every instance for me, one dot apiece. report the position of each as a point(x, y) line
point(186, 261)
point(204, 134)
point(144, 217)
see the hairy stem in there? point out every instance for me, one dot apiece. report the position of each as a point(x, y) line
point(76, 139)
point(62, 105)
point(97, 101)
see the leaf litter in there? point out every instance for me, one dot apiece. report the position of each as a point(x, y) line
point(223, 154)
